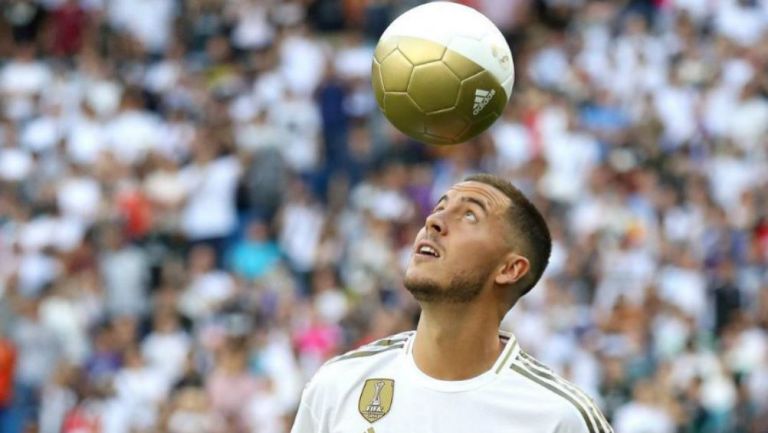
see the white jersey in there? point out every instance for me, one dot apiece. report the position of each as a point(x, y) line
point(379, 389)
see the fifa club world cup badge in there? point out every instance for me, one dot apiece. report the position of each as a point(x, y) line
point(376, 398)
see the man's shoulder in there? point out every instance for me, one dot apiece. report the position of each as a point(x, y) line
point(373, 351)
point(362, 360)
point(575, 410)
point(340, 374)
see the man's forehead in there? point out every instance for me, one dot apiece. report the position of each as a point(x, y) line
point(489, 194)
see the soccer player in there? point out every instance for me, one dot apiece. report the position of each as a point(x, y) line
point(483, 247)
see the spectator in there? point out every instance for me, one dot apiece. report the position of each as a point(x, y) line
point(255, 255)
point(191, 413)
point(210, 180)
point(209, 288)
point(69, 22)
point(7, 370)
point(125, 270)
point(39, 352)
point(643, 414)
point(231, 384)
point(139, 389)
point(167, 347)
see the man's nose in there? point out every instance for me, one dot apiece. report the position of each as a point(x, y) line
point(436, 224)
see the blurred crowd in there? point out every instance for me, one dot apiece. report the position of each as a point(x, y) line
point(200, 204)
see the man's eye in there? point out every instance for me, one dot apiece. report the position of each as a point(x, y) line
point(470, 215)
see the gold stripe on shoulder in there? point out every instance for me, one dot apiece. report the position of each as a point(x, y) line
point(365, 353)
point(544, 377)
point(506, 358)
point(388, 341)
point(539, 368)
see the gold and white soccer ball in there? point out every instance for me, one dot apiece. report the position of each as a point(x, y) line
point(442, 73)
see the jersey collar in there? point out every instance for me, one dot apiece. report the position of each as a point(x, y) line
point(511, 349)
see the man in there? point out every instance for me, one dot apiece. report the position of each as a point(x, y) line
point(482, 248)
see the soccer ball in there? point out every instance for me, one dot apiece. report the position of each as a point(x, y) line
point(442, 73)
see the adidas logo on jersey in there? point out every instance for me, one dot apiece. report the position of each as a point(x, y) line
point(482, 98)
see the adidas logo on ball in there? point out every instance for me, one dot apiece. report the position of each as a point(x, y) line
point(482, 98)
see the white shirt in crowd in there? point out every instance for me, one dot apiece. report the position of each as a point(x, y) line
point(625, 273)
point(132, 134)
point(513, 144)
point(252, 28)
point(743, 24)
point(205, 293)
point(69, 322)
point(571, 156)
point(302, 64)
point(210, 209)
point(126, 278)
point(636, 417)
point(167, 352)
point(148, 21)
point(80, 197)
point(42, 133)
point(138, 394)
point(748, 123)
point(25, 77)
point(85, 140)
point(302, 226)
point(35, 271)
point(15, 164)
point(684, 288)
point(675, 108)
point(298, 119)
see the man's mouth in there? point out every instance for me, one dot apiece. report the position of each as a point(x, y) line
point(425, 249)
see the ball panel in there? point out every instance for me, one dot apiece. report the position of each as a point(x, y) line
point(445, 19)
point(445, 125)
point(460, 65)
point(420, 51)
point(404, 114)
point(435, 139)
point(480, 94)
point(384, 48)
point(395, 72)
point(508, 83)
point(482, 53)
point(461, 29)
point(481, 99)
point(503, 57)
point(433, 87)
point(376, 83)
point(478, 126)
point(411, 23)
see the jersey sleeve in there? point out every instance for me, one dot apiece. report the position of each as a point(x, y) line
point(309, 415)
point(305, 421)
point(586, 420)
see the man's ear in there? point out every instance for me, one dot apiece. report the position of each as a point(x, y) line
point(512, 270)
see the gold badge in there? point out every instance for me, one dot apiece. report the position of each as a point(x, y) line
point(376, 398)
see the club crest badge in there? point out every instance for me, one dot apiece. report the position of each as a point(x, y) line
point(376, 399)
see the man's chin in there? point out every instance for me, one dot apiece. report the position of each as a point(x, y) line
point(422, 285)
point(423, 291)
point(425, 288)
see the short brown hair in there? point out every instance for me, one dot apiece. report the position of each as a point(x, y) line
point(528, 225)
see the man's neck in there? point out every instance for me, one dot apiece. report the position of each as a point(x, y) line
point(456, 342)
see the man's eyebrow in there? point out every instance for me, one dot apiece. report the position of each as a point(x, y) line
point(474, 200)
point(477, 202)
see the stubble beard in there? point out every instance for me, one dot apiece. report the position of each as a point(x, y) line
point(461, 289)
